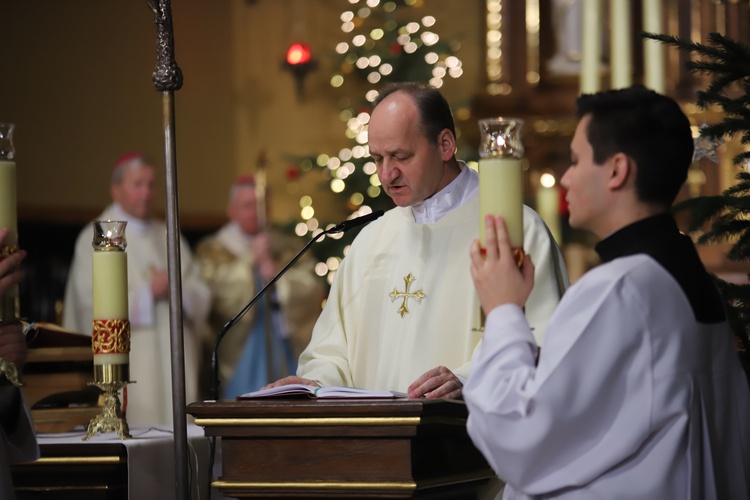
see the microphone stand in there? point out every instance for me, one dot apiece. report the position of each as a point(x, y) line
point(214, 390)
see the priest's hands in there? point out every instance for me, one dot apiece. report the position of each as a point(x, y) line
point(437, 383)
point(159, 283)
point(291, 379)
point(496, 275)
point(261, 247)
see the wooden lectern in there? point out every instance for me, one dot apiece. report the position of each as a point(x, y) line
point(344, 448)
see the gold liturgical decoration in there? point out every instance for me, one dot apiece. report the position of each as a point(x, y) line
point(395, 294)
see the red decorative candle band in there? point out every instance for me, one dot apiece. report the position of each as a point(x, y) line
point(110, 336)
point(518, 254)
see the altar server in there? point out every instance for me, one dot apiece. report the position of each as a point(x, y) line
point(638, 391)
point(402, 313)
point(149, 400)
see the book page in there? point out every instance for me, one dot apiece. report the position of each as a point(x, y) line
point(351, 392)
point(284, 390)
point(321, 392)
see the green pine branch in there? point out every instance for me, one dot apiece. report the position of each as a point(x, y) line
point(724, 217)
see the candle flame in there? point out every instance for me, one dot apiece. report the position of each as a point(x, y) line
point(547, 180)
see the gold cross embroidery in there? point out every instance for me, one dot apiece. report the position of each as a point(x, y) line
point(395, 294)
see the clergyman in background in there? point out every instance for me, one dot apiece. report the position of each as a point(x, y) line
point(236, 262)
point(149, 400)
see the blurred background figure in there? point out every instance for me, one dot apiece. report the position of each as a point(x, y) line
point(236, 262)
point(149, 401)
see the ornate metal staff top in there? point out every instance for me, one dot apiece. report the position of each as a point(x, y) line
point(167, 75)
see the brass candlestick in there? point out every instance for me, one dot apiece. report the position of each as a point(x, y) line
point(110, 337)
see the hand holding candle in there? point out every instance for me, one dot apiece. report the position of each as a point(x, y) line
point(496, 274)
point(9, 307)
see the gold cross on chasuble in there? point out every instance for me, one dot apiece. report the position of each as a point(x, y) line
point(395, 294)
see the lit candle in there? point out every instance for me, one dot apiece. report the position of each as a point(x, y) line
point(111, 327)
point(591, 42)
point(548, 205)
point(653, 52)
point(501, 177)
point(620, 51)
point(501, 193)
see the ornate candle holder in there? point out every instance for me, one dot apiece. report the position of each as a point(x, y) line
point(110, 337)
point(501, 177)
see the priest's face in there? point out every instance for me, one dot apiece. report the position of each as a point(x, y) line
point(135, 192)
point(243, 209)
point(409, 166)
point(586, 183)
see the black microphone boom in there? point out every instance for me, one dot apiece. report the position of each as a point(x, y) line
point(343, 227)
point(352, 223)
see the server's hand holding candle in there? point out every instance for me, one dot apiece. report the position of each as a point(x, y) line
point(501, 178)
point(8, 220)
point(111, 327)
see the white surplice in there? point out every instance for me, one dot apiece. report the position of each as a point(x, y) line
point(632, 396)
point(149, 400)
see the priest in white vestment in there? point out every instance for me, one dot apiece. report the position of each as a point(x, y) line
point(149, 400)
point(236, 262)
point(402, 313)
point(638, 391)
point(17, 439)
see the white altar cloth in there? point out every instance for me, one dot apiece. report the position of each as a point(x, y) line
point(150, 459)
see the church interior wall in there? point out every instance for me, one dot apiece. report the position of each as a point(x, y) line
point(76, 80)
point(77, 83)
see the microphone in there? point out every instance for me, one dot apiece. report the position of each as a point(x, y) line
point(340, 228)
point(352, 223)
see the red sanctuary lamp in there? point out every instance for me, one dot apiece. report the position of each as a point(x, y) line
point(300, 62)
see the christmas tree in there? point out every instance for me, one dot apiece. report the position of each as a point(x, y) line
point(724, 217)
point(382, 42)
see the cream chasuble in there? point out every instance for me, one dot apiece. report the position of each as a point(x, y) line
point(150, 398)
point(403, 301)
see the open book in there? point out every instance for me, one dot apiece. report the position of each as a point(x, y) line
point(321, 392)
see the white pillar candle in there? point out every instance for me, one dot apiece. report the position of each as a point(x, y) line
point(501, 193)
point(548, 207)
point(591, 43)
point(620, 50)
point(110, 289)
point(8, 216)
point(653, 51)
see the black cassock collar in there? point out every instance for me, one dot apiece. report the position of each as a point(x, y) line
point(659, 237)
